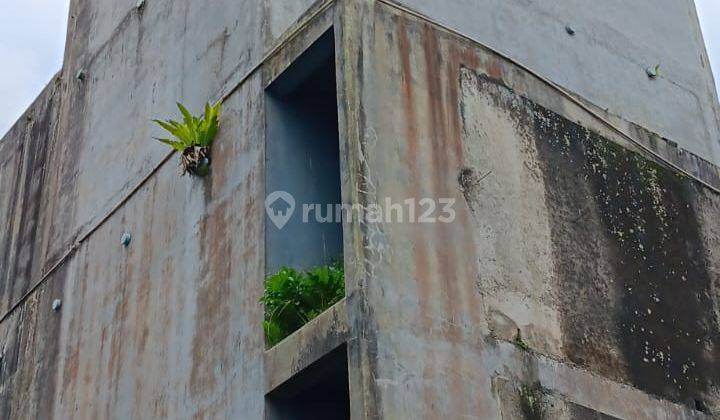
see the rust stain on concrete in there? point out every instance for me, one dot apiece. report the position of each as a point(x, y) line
point(213, 308)
point(412, 155)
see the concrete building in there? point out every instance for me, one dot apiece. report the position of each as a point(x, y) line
point(579, 279)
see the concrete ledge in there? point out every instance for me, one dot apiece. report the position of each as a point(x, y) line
point(306, 346)
point(567, 387)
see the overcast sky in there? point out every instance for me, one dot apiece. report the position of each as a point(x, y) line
point(32, 38)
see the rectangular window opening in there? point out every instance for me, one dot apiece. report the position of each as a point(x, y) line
point(303, 234)
point(318, 392)
point(303, 160)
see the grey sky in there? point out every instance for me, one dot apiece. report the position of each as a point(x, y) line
point(32, 38)
point(709, 13)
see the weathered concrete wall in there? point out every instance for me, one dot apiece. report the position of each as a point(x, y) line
point(563, 240)
point(29, 337)
point(24, 151)
point(169, 326)
point(614, 43)
point(567, 247)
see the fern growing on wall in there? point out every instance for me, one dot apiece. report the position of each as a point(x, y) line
point(193, 137)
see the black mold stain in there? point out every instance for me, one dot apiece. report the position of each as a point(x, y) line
point(632, 278)
point(667, 334)
point(531, 402)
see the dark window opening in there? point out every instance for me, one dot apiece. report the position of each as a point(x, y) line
point(302, 159)
point(318, 392)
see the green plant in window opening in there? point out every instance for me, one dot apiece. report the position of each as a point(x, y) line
point(293, 298)
point(193, 137)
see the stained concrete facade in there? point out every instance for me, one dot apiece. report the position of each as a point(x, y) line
point(579, 279)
